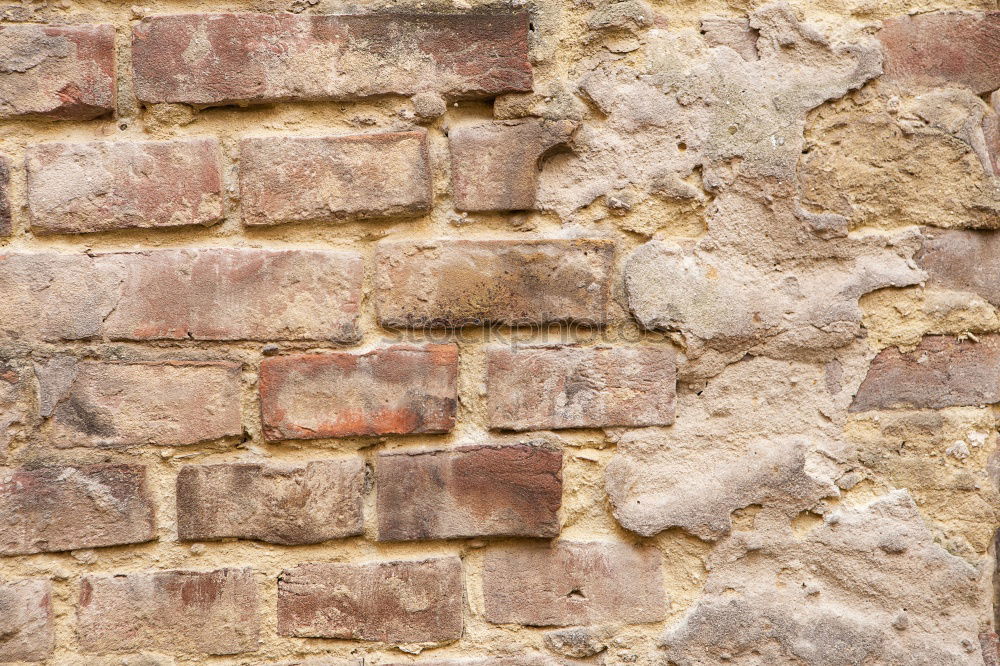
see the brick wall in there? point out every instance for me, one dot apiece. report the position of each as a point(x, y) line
point(469, 334)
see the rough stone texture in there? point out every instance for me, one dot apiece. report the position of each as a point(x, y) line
point(401, 389)
point(103, 185)
point(26, 632)
point(111, 404)
point(285, 179)
point(569, 583)
point(864, 587)
point(15, 390)
point(5, 218)
point(481, 490)
point(963, 261)
point(224, 58)
point(495, 166)
point(229, 294)
point(288, 505)
point(568, 387)
point(393, 602)
point(699, 488)
point(577, 642)
point(724, 306)
point(468, 283)
point(941, 372)
point(57, 72)
point(732, 32)
point(68, 508)
point(942, 48)
point(212, 612)
point(521, 660)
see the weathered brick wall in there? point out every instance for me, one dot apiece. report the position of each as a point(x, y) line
point(462, 334)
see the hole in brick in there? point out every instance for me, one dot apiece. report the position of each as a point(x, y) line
point(682, 146)
point(577, 595)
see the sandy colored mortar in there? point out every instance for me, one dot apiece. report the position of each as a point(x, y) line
point(564, 50)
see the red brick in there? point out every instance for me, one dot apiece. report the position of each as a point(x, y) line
point(494, 166)
point(569, 583)
point(574, 387)
point(5, 218)
point(26, 632)
point(944, 48)
point(471, 283)
point(53, 296)
point(104, 185)
point(57, 72)
point(49, 509)
point(395, 390)
point(962, 260)
point(392, 602)
point(228, 294)
point(941, 372)
point(511, 490)
point(289, 505)
point(109, 404)
point(287, 179)
point(213, 612)
point(224, 58)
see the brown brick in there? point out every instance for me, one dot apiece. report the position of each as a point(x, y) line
point(287, 179)
point(941, 372)
point(103, 185)
point(963, 260)
point(94, 403)
point(57, 72)
point(229, 294)
point(511, 490)
point(49, 509)
point(26, 632)
point(395, 390)
point(224, 58)
point(5, 218)
point(572, 387)
point(494, 166)
point(213, 612)
point(471, 283)
point(392, 602)
point(289, 505)
point(943, 48)
point(568, 583)
point(53, 296)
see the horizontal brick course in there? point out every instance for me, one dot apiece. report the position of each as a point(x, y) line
point(394, 390)
point(494, 166)
point(105, 185)
point(288, 179)
point(569, 583)
point(569, 387)
point(470, 283)
point(57, 72)
point(941, 48)
point(484, 490)
point(110, 404)
point(212, 612)
point(941, 372)
point(26, 630)
point(279, 504)
point(230, 294)
point(393, 602)
point(223, 58)
point(962, 260)
point(51, 509)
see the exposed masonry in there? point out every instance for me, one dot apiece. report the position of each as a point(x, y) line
point(544, 334)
